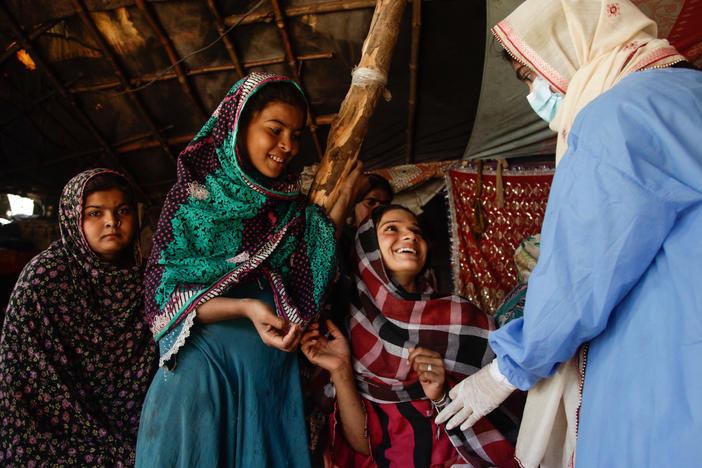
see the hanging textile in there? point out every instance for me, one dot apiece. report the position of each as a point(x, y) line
point(483, 269)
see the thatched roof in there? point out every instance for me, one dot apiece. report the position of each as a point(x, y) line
point(127, 83)
point(105, 91)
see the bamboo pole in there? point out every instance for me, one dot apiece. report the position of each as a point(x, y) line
point(294, 68)
point(228, 44)
point(13, 48)
point(301, 10)
point(351, 125)
point(121, 75)
point(24, 41)
point(413, 69)
point(185, 85)
point(138, 81)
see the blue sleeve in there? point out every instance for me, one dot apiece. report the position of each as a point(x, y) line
point(614, 198)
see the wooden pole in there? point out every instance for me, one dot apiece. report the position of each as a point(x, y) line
point(351, 125)
point(413, 69)
point(301, 10)
point(121, 74)
point(228, 44)
point(160, 32)
point(294, 69)
point(140, 80)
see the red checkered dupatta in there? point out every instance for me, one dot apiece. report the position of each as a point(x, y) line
point(385, 321)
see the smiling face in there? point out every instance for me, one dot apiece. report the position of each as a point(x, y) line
point(402, 247)
point(109, 223)
point(273, 137)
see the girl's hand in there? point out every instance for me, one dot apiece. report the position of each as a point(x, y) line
point(354, 181)
point(332, 355)
point(429, 365)
point(274, 331)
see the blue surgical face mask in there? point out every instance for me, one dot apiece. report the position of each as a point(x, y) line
point(544, 101)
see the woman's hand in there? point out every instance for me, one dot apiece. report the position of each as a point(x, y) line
point(332, 355)
point(354, 181)
point(274, 331)
point(429, 365)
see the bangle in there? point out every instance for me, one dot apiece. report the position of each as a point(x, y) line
point(441, 403)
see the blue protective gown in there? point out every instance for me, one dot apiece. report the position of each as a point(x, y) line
point(621, 267)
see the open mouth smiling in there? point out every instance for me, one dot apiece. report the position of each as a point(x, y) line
point(278, 159)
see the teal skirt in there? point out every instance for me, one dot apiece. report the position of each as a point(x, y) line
point(230, 401)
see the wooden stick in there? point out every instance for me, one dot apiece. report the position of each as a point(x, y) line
point(413, 69)
point(160, 32)
point(228, 44)
point(121, 74)
point(351, 125)
point(300, 10)
point(293, 64)
point(138, 81)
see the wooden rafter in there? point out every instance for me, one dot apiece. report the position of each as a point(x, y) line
point(12, 49)
point(185, 85)
point(228, 44)
point(57, 85)
point(300, 10)
point(293, 64)
point(413, 72)
point(121, 75)
point(138, 81)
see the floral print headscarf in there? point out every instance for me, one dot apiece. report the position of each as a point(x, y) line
point(76, 356)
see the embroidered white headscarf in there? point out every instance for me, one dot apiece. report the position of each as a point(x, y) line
point(582, 48)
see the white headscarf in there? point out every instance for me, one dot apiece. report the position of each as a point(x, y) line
point(582, 48)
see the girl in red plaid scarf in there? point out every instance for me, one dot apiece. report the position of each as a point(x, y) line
point(407, 347)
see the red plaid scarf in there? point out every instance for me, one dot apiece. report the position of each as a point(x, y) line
point(385, 321)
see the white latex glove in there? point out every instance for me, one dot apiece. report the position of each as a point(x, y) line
point(475, 396)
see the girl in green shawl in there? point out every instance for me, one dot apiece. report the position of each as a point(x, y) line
point(240, 265)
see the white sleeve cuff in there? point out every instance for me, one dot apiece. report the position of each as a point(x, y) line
point(497, 375)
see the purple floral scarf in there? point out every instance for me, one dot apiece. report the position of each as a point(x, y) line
point(76, 356)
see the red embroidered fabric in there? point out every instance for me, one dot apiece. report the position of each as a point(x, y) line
point(483, 269)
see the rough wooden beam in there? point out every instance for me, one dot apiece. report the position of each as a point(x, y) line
point(228, 44)
point(293, 64)
point(413, 69)
point(311, 9)
point(160, 32)
point(138, 81)
point(23, 40)
point(12, 49)
point(351, 125)
point(121, 75)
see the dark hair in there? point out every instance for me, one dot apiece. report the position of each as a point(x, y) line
point(378, 213)
point(507, 56)
point(380, 210)
point(376, 181)
point(283, 91)
point(108, 181)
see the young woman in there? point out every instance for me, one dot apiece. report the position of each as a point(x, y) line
point(408, 347)
point(611, 319)
point(240, 264)
point(76, 356)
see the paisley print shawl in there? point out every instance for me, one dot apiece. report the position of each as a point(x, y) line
point(222, 225)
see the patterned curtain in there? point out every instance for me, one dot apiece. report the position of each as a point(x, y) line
point(482, 249)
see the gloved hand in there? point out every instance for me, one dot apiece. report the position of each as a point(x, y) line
point(475, 396)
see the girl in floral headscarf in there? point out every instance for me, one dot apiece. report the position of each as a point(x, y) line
point(76, 356)
point(240, 265)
